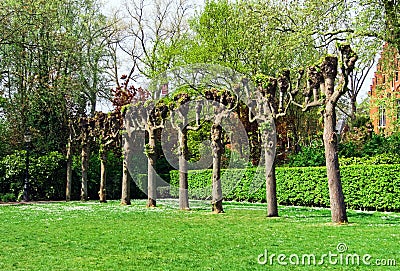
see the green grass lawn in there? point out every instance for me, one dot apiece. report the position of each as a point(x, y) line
point(93, 236)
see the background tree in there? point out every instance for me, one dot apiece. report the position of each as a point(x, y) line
point(125, 95)
point(45, 63)
point(107, 131)
point(150, 34)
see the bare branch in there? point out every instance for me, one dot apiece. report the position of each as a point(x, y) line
point(313, 104)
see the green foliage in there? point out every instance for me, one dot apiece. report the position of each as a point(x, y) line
point(5, 137)
point(8, 197)
point(372, 187)
point(233, 159)
point(47, 173)
point(249, 37)
point(113, 181)
point(195, 138)
point(380, 144)
point(379, 159)
point(309, 156)
point(59, 54)
point(358, 144)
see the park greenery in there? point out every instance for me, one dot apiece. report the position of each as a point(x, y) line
point(60, 59)
point(120, 130)
point(89, 236)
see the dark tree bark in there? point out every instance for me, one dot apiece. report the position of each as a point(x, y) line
point(353, 104)
point(272, 208)
point(182, 101)
point(151, 177)
point(103, 176)
point(183, 169)
point(85, 167)
point(69, 169)
point(269, 104)
point(323, 78)
point(217, 151)
point(338, 207)
point(126, 185)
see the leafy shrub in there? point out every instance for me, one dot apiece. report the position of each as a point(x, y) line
point(380, 144)
point(349, 149)
point(379, 159)
point(374, 187)
point(46, 175)
point(8, 197)
point(309, 156)
point(113, 181)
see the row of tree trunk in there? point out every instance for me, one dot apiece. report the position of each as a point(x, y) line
point(266, 103)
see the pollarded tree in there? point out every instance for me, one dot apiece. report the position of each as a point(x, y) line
point(323, 90)
point(87, 127)
point(107, 132)
point(103, 129)
point(269, 102)
point(124, 95)
point(223, 102)
point(74, 111)
point(216, 94)
point(149, 117)
point(181, 124)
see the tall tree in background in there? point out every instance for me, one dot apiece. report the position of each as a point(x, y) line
point(46, 61)
point(392, 22)
point(151, 34)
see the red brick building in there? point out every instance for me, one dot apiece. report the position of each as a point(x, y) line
point(385, 93)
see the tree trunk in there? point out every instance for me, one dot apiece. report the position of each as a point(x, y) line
point(353, 101)
point(151, 178)
point(183, 169)
point(272, 202)
point(85, 167)
point(217, 149)
point(103, 163)
point(69, 170)
point(126, 185)
point(338, 207)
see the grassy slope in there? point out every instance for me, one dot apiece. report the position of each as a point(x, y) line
point(92, 236)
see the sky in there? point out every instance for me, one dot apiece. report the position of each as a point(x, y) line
point(111, 5)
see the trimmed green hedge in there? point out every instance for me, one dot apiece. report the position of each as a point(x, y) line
point(375, 187)
point(379, 159)
point(139, 186)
